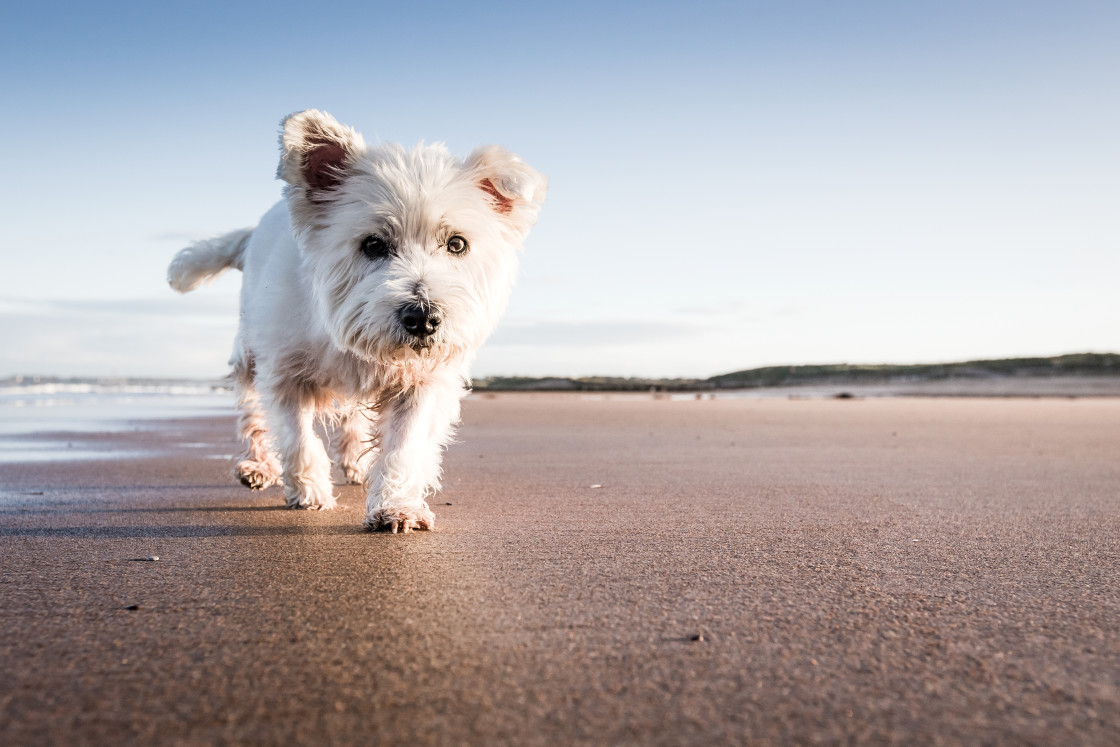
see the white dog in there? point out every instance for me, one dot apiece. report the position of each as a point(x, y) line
point(366, 294)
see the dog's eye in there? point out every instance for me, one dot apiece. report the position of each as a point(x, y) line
point(457, 245)
point(375, 247)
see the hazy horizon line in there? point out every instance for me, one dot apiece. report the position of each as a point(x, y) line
point(21, 378)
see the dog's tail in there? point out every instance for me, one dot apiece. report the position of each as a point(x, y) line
point(207, 259)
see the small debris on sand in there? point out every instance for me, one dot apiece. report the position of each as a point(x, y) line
point(148, 559)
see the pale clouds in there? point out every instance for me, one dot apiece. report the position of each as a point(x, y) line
point(590, 333)
point(194, 306)
point(182, 237)
point(171, 337)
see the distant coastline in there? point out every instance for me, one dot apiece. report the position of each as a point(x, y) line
point(1076, 367)
point(1081, 374)
point(40, 384)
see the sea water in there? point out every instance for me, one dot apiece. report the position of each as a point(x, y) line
point(59, 420)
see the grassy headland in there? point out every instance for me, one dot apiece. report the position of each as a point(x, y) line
point(1080, 364)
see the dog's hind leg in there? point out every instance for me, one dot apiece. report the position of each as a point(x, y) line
point(351, 444)
point(258, 467)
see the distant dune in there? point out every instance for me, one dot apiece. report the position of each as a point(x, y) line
point(1082, 374)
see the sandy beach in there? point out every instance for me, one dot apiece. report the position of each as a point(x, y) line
point(605, 570)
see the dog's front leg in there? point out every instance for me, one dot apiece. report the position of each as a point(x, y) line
point(307, 468)
point(414, 426)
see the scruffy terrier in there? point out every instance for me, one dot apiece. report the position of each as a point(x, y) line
point(366, 294)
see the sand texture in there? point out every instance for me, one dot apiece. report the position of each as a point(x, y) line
point(749, 571)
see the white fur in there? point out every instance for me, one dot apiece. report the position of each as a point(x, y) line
point(320, 331)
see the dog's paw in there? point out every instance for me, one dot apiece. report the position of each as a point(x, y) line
point(298, 505)
point(402, 520)
point(257, 475)
point(353, 474)
point(311, 497)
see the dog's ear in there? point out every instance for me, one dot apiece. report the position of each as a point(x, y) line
point(515, 190)
point(316, 152)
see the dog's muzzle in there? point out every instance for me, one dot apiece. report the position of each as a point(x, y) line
point(419, 320)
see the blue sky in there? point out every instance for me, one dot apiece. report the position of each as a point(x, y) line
point(732, 184)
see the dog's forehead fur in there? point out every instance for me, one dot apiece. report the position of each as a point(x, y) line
point(419, 196)
point(327, 164)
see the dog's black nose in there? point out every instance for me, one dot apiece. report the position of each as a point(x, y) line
point(418, 320)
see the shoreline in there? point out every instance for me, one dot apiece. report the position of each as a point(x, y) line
point(64, 430)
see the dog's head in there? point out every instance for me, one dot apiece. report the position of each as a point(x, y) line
point(411, 254)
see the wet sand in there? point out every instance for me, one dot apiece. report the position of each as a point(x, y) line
point(770, 571)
